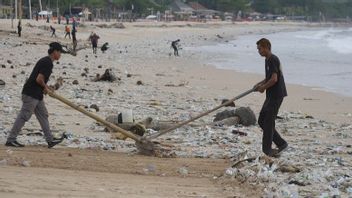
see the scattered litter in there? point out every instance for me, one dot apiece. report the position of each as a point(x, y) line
point(183, 171)
point(3, 162)
point(182, 84)
point(25, 163)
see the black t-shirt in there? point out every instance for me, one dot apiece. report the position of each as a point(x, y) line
point(174, 44)
point(31, 87)
point(278, 90)
point(73, 35)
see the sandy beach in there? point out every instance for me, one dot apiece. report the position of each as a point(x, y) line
point(317, 124)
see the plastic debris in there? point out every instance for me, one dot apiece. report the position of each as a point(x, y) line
point(183, 171)
point(3, 162)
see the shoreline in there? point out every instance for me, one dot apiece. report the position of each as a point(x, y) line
point(304, 99)
point(234, 57)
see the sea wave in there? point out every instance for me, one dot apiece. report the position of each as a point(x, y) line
point(339, 40)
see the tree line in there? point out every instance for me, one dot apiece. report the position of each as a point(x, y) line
point(314, 8)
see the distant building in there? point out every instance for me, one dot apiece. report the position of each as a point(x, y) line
point(181, 10)
point(192, 11)
point(202, 12)
point(75, 11)
point(86, 14)
point(5, 11)
point(197, 6)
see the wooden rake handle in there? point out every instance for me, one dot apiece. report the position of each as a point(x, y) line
point(95, 117)
point(153, 136)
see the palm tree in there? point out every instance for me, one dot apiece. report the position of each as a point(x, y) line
point(30, 9)
point(20, 9)
point(40, 5)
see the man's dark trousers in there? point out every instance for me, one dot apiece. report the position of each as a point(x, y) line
point(266, 121)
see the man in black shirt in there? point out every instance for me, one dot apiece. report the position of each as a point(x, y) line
point(53, 31)
point(19, 28)
point(32, 97)
point(275, 87)
point(74, 39)
point(174, 46)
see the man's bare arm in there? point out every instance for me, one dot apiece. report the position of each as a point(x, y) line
point(41, 81)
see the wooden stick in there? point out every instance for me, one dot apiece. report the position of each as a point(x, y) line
point(95, 117)
point(244, 160)
point(200, 115)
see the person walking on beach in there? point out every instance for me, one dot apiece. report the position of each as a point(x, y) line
point(53, 31)
point(67, 30)
point(274, 85)
point(94, 40)
point(74, 39)
point(19, 28)
point(32, 98)
point(74, 23)
point(174, 45)
point(67, 19)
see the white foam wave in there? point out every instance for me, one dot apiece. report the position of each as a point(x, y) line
point(339, 40)
point(341, 45)
point(314, 35)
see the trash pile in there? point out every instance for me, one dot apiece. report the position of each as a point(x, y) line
point(310, 168)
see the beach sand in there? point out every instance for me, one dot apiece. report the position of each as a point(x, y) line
point(143, 50)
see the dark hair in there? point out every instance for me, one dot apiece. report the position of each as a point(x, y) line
point(55, 46)
point(264, 43)
point(50, 50)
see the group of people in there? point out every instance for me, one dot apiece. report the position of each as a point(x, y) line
point(36, 86)
point(93, 38)
point(68, 31)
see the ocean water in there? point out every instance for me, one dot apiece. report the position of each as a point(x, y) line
point(319, 58)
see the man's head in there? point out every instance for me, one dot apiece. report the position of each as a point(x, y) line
point(264, 47)
point(55, 50)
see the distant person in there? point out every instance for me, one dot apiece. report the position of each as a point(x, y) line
point(105, 47)
point(47, 19)
point(32, 98)
point(74, 24)
point(67, 20)
point(274, 85)
point(19, 28)
point(74, 39)
point(59, 19)
point(53, 31)
point(94, 40)
point(68, 31)
point(174, 45)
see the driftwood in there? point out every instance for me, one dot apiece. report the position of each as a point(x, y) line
point(264, 158)
point(243, 160)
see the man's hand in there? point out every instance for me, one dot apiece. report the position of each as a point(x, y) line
point(48, 89)
point(257, 86)
point(261, 89)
